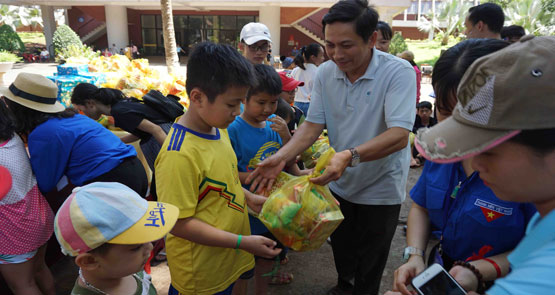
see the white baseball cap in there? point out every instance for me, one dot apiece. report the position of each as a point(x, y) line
point(254, 32)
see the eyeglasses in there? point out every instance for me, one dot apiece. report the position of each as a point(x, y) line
point(263, 48)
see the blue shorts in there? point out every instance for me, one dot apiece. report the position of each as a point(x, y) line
point(245, 276)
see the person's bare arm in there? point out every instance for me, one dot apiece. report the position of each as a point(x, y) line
point(129, 138)
point(385, 144)
point(267, 171)
point(418, 231)
point(197, 231)
point(153, 129)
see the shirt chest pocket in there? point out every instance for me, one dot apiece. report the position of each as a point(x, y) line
point(435, 203)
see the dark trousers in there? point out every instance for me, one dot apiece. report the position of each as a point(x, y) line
point(361, 244)
point(130, 172)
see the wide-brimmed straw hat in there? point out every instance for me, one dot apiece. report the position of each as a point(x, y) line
point(35, 92)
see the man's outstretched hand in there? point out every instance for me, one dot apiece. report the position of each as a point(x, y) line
point(264, 175)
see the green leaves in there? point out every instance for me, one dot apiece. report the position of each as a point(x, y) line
point(64, 37)
point(9, 40)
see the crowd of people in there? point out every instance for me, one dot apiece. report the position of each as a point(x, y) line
point(485, 192)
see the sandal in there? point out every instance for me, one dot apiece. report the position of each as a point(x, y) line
point(281, 278)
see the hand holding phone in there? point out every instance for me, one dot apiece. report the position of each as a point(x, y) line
point(435, 280)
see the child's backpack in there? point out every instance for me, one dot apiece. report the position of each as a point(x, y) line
point(168, 106)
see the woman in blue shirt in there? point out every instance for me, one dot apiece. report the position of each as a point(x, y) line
point(62, 142)
point(451, 199)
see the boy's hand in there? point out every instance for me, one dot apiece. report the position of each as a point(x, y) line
point(264, 175)
point(280, 126)
point(254, 201)
point(260, 246)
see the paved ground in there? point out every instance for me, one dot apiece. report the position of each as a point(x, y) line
point(314, 271)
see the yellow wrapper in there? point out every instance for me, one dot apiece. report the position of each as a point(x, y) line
point(301, 214)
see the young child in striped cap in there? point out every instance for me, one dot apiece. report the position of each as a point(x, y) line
point(109, 227)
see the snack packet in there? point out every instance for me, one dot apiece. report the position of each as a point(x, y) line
point(301, 214)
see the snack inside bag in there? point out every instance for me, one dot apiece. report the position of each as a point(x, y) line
point(301, 214)
point(314, 152)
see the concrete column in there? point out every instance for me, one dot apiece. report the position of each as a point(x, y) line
point(270, 16)
point(116, 26)
point(49, 26)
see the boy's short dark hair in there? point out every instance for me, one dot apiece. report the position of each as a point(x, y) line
point(512, 31)
point(284, 110)
point(268, 81)
point(214, 68)
point(385, 29)
point(363, 17)
point(490, 14)
point(424, 105)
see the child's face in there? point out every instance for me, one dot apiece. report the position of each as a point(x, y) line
point(424, 113)
point(225, 107)
point(260, 106)
point(122, 260)
point(289, 96)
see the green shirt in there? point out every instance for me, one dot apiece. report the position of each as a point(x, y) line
point(144, 286)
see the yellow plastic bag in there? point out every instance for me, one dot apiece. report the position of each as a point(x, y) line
point(301, 214)
point(311, 155)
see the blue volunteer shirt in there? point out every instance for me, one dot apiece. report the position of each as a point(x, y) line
point(532, 261)
point(252, 145)
point(475, 218)
point(77, 147)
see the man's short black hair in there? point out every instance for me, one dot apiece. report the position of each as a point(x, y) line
point(490, 14)
point(424, 105)
point(512, 31)
point(268, 81)
point(363, 17)
point(215, 67)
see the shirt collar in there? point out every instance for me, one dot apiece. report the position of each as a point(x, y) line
point(371, 70)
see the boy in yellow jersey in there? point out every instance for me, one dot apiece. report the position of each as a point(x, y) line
point(210, 246)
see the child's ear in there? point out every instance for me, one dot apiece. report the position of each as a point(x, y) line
point(480, 26)
point(196, 96)
point(87, 261)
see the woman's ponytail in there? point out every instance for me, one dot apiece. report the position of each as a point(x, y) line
point(299, 58)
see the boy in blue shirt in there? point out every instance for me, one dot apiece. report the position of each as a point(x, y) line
point(255, 135)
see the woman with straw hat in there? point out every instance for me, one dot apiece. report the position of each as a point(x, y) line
point(62, 142)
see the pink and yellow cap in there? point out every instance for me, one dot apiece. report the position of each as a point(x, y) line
point(110, 212)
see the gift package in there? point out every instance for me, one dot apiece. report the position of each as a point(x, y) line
point(299, 213)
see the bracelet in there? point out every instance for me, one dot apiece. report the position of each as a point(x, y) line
point(497, 268)
point(481, 284)
point(239, 237)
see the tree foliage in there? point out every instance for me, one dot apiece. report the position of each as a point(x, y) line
point(9, 40)
point(63, 37)
point(448, 19)
point(397, 44)
point(534, 16)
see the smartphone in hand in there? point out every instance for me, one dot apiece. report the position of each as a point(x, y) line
point(435, 280)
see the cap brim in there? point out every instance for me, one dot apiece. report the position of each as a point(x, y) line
point(42, 107)
point(292, 85)
point(157, 222)
point(451, 141)
point(253, 39)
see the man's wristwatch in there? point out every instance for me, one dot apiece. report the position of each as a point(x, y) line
point(355, 157)
point(412, 251)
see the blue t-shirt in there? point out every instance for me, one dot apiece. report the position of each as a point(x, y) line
point(252, 145)
point(77, 147)
point(475, 218)
point(532, 261)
